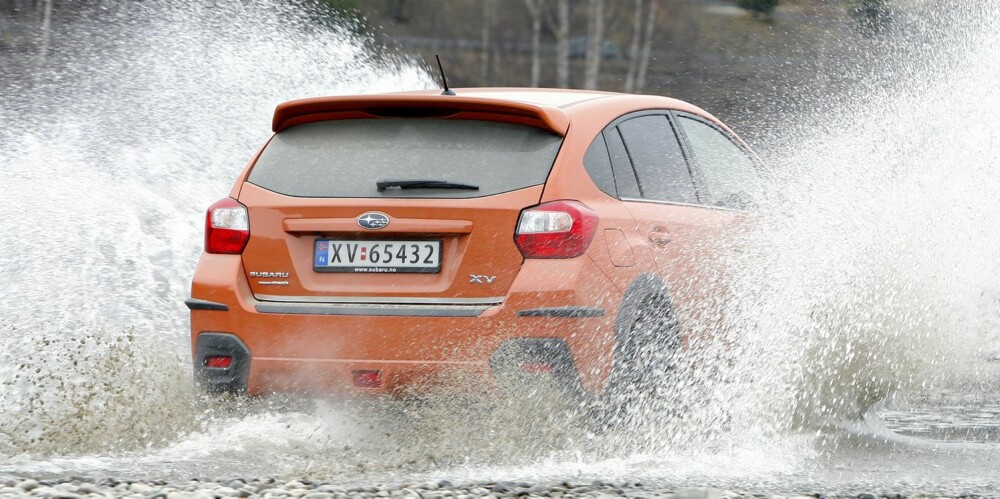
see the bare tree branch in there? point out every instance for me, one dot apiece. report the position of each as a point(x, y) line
point(43, 52)
point(489, 15)
point(595, 45)
point(633, 50)
point(562, 45)
point(647, 46)
point(536, 8)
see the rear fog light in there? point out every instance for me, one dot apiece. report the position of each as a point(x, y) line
point(219, 362)
point(367, 379)
point(537, 367)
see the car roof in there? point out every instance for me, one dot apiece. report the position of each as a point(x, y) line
point(554, 97)
point(570, 100)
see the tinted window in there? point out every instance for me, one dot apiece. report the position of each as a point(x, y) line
point(345, 158)
point(659, 163)
point(628, 186)
point(729, 172)
point(598, 165)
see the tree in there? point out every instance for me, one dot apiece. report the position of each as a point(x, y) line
point(560, 26)
point(537, 10)
point(489, 19)
point(873, 16)
point(43, 52)
point(642, 44)
point(633, 49)
point(647, 47)
point(595, 45)
point(760, 8)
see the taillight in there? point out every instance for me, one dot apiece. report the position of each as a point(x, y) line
point(227, 227)
point(560, 229)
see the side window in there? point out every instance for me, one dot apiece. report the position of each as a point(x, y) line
point(598, 165)
point(659, 163)
point(628, 186)
point(730, 173)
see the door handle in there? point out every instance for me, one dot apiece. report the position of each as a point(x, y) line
point(659, 237)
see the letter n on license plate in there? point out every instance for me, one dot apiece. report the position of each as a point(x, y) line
point(367, 256)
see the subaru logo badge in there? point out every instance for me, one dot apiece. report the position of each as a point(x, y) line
point(373, 220)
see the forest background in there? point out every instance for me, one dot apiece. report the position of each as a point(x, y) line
point(757, 64)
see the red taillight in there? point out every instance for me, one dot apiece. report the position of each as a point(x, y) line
point(367, 379)
point(227, 227)
point(560, 229)
point(219, 362)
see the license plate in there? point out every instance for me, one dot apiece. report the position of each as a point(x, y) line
point(367, 256)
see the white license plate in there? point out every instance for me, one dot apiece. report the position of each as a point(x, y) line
point(337, 255)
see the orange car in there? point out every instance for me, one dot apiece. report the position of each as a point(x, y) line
point(378, 242)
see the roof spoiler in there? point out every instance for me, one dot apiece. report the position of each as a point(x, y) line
point(297, 112)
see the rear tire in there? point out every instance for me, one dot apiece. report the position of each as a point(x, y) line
point(645, 363)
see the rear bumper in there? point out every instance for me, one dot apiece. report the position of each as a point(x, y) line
point(322, 347)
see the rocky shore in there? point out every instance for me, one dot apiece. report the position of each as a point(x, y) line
point(79, 488)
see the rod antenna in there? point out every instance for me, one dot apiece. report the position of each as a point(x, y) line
point(444, 79)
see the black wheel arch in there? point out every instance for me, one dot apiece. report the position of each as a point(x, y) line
point(643, 287)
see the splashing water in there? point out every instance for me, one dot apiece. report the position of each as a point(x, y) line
point(109, 157)
point(871, 271)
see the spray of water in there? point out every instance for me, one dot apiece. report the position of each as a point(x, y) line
point(870, 270)
point(110, 153)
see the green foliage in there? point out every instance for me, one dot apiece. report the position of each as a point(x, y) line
point(873, 16)
point(759, 7)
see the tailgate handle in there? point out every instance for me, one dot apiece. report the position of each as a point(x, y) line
point(396, 225)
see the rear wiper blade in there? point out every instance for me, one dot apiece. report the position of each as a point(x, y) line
point(423, 184)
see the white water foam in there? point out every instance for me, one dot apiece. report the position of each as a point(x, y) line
point(109, 155)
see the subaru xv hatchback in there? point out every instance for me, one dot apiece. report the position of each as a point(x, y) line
point(377, 243)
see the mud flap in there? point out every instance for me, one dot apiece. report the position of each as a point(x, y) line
point(526, 363)
point(232, 379)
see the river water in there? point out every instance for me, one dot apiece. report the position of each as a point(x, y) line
point(861, 346)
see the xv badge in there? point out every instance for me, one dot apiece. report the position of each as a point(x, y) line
point(482, 279)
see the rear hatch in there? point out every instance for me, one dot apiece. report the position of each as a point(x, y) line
point(323, 229)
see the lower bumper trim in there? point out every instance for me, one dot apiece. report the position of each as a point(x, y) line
point(562, 312)
point(195, 304)
point(371, 309)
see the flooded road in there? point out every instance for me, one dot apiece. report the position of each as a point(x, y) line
point(861, 336)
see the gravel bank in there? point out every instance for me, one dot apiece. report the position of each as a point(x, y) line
point(76, 488)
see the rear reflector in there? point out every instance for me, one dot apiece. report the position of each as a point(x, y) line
point(227, 227)
point(537, 367)
point(367, 379)
point(560, 229)
point(219, 362)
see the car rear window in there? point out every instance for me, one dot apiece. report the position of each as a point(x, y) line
point(345, 158)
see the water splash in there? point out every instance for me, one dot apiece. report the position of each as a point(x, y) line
point(872, 268)
point(109, 156)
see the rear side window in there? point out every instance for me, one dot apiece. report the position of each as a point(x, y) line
point(729, 172)
point(628, 186)
point(659, 163)
point(345, 158)
point(598, 166)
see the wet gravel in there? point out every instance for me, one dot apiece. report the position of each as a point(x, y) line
point(79, 488)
